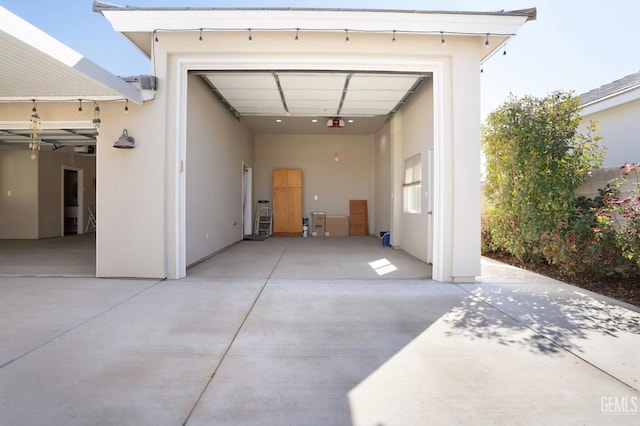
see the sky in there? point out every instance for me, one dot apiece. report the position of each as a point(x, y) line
point(575, 45)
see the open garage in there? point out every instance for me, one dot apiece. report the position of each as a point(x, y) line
point(375, 106)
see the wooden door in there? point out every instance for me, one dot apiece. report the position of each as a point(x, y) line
point(294, 190)
point(359, 218)
point(287, 201)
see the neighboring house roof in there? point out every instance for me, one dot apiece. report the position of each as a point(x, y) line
point(623, 90)
point(34, 65)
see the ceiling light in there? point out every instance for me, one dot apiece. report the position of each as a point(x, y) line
point(350, 121)
point(314, 120)
point(278, 121)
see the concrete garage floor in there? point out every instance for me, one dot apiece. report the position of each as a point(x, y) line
point(306, 332)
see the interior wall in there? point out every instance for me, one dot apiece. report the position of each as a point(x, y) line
point(18, 195)
point(334, 183)
point(383, 179)
point(217, 146)
point(50, 189)
point(417, 138)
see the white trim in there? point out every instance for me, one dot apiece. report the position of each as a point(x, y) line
point(181, 170)
point(611, 101)
point(316, 20)
point(438, 269)
point(80, 197)
point(373, 63)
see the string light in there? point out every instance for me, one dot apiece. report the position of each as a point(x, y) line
point(504, 51)
point(79, 106)
point(346, 36)
point(250, 36)
point(296, 38)
point(486, 43)
point(200, 37)
point(155, 35)
point(126, 106)
point(442, 40)
point(393, 40)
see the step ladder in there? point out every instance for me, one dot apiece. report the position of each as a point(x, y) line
point(264, 217)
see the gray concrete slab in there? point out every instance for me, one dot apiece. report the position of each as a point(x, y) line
point(69, 256)
point(262, 335)
point(145, 361)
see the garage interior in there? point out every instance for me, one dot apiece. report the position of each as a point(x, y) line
point(290, 115)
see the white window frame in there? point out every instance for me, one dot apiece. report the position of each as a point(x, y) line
point(412, 185)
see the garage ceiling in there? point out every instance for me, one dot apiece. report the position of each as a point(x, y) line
point(290, 101)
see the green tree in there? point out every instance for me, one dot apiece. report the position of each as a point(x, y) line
point(536, 158)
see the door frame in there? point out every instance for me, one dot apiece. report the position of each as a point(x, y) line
point(80, 216)
point(247, 199)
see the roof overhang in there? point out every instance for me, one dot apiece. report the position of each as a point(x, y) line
point(611, 101)
point(138, 23)
point(34, 65)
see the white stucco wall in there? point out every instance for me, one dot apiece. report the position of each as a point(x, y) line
point(456, 136)
point(620, 128)
point(382, 187)
point(335, 183)
point(18, 195)
point(131, 185)
point(417, 138)
point(217, 146)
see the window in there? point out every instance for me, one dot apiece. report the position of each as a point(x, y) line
point(412, 184)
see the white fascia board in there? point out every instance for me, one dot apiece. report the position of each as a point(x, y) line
point(318, 20)
point(611, 101)
point(32, 36)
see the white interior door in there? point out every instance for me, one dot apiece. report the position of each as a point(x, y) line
point(247, 217)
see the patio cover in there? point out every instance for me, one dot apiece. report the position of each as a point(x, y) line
point(36, 66)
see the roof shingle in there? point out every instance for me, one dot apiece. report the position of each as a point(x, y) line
point(625, 83)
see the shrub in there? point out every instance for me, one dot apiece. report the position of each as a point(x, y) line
point(535, 161)
point(621, 216)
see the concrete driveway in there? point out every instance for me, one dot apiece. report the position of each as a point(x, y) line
point(315, 332)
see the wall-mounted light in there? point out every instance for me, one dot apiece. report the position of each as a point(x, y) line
point(125, 141)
